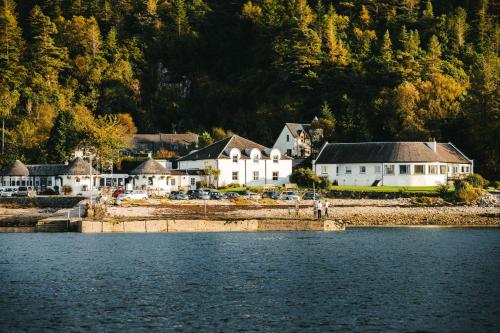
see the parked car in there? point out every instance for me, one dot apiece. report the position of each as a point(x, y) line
point(200, 194)
point(231, 195)
point(252, 196)
point(132, 195)
point(311, 196)
point(216, 195)
point(24, 191)
point(8, 192)
point(289, 195)
point(117, 192)
point(271, 195)
point(178, 195)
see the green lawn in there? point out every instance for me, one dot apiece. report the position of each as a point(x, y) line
point(389, 189)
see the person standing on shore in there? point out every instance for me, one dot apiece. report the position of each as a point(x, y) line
point(319, 208)
point(327, 204)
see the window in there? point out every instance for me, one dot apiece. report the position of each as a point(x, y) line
point(255, 175)
point(433, 169)
point(256, 158)
point(287, 138)
point(419, 169)
point(275, 175)
point(442, 169)
point(389, 169)
point(150, 180)
point(348, 170)
point(235, 158)
point(235, 175)
point(172, 181)
point(467, 169)
point(49, 182)
point(193, 181)
point(378, 169)
point(108, 181)
point(323, 170)
point(276, 159)
point(362, 169)
point(463, 168)
point(120, 181)
point(337, 170)
point(455, 169)
point(289, 152)
point(404, 169)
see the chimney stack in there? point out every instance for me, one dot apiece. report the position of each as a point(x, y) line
point(432, 145)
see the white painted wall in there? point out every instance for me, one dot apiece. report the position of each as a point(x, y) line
point(283, 145)
point(356, 178)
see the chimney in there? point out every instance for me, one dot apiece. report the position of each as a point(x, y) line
point(432, 145)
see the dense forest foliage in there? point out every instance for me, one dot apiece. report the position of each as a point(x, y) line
point(369, 69)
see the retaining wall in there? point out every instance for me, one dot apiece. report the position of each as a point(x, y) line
point(251, 225)
point(375, 195)
point(43, 201)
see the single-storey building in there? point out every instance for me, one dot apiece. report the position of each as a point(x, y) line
point(391, 163)
point(236, 160)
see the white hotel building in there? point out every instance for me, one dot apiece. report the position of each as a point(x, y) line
point(391, 163)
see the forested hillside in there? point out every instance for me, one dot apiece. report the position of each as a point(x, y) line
point(369, 69)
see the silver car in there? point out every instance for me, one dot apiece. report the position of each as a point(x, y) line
point(289, 195)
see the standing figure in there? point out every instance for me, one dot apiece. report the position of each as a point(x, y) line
point(319, 208)
point(326, 208)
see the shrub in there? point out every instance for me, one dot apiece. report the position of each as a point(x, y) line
point(67, 189)
point(497, 185)
point(443, 189)
point(477, 180)
point(304, 178)
point(48, 191)
point(325, 183)
point(422, 201)
point(467, 193)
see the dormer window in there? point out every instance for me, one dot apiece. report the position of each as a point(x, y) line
point(255, 158)
point(235, 158)
point(276, 159)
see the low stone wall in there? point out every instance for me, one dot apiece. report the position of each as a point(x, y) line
point(375, 195)
point(43, 201)
point(250, 225)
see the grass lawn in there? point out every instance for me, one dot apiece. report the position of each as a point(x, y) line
point(388, 189)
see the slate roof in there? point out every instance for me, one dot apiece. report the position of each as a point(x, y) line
point(150, 167)
point(221, 149)
point(389, 152)
point(296, 129)
point(46, 169)
point(78, 167)
point(16, 168)
point(167, 138)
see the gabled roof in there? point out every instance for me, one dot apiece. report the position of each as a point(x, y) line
point(167, 138)
point(221, 149)
point(389, 152)
point(296, 129)
point(78, 167)
point(150, 167)
point(16, 168)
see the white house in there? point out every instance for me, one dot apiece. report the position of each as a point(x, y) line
point(295, 140)
point(151, 175)
point(240, 161)
point(391, 163)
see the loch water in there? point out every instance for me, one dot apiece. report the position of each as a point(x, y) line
point(360, 280)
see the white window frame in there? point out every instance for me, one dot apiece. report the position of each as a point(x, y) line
point(433, 169)
point(324, 170)
point(235, 158)
point(407, 167)
point(362, 169)
point(255, 175)
point(235, 173)
point(388, 168)
point(193, 181)
point(348, 170)
point(255, 158)
point(415, 169)
point(172, 181)
point(276, 175)
point(276, 159)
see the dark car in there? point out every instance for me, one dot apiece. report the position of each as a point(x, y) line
point(271, 195)
point(216, 195)
point(178, 195)
point(231, 195)
point(311, 196)
point(199, 194)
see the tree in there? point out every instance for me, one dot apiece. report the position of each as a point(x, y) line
point(205, 139)
point(64, 138)
point(433, 58)
point(386, 48)
point(47, 59)
point(12, 71)
point(428, 11)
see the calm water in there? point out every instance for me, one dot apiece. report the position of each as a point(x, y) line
point(401, 280)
